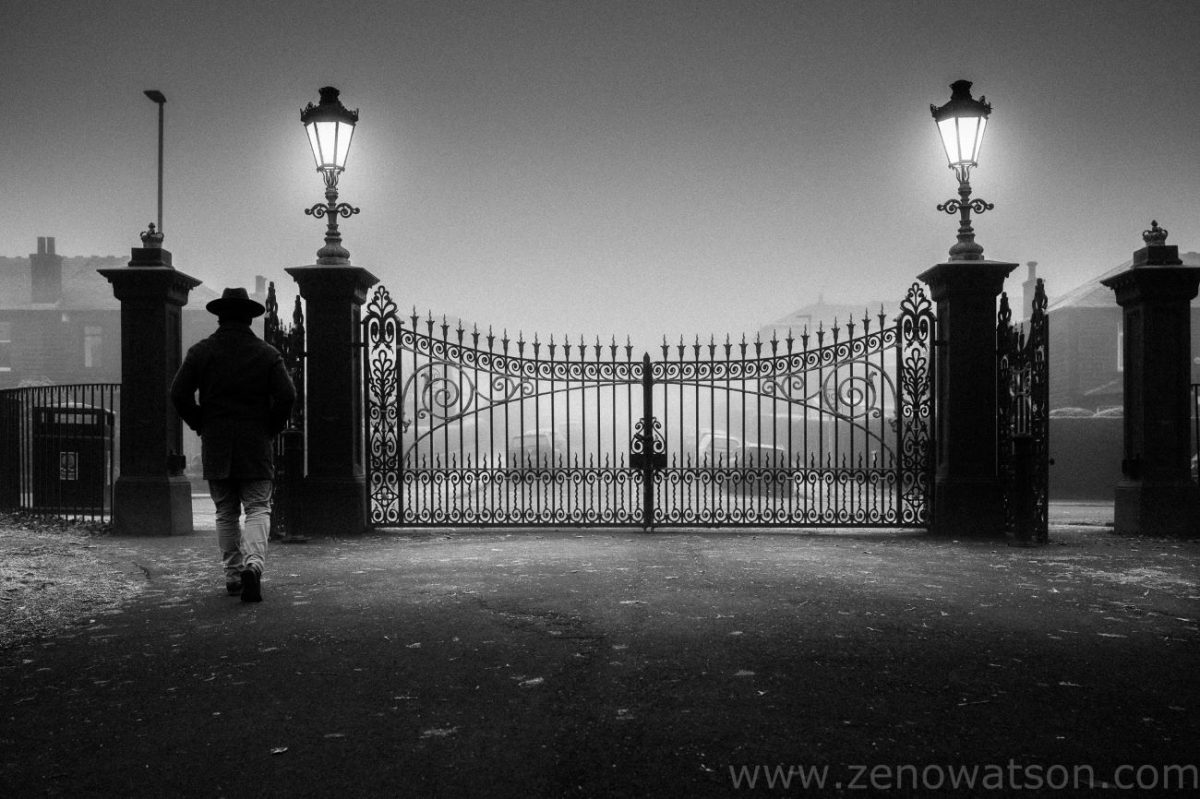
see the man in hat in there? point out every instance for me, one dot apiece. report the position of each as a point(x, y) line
point(246, 398)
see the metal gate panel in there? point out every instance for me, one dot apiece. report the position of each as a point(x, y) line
point(478, 429)
point(827, 428)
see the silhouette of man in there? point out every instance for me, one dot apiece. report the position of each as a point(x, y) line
point(246, 398)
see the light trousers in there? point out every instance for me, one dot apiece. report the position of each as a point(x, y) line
point(243, 545)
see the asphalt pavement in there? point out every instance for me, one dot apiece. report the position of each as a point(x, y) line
point(620, 663)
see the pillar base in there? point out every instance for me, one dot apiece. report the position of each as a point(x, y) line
point(152, 506)
point(334, 506)
point(967, 508)
point(1171, 509)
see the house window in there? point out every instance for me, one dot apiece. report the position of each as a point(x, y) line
point(92, 341)
point(5, 346)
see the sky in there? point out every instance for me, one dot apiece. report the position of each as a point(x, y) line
point(603, 168)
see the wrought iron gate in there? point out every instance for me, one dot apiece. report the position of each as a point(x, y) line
point(466, 427)
point(286, 515)
point(1023, 420)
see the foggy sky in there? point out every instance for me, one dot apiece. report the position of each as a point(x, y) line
point(603, 167)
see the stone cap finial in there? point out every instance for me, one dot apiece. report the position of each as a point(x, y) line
point(1156, 236)
point(1156, 252)
point(152, 238)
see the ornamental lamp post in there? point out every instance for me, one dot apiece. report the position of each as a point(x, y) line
point(330, 127)
point(961, 123)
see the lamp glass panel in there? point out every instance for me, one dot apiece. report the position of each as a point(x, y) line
point(311, 130)
point(345, 134)
point(978, 139)
point(948, 130)
point(327, 139)
point(967, 129)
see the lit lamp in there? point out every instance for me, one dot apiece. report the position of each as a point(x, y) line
point(330, 127)
point(961, 123)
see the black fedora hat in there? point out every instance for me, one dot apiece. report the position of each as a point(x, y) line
point(236, 302)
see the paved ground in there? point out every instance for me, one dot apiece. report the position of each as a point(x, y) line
point(619, 664)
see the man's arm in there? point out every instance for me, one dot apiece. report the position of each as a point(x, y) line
point(183, 393)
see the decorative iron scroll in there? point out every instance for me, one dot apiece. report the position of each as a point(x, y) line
point(467, 427)
point(289, 340)
point(824, 428)
point(286, 519)
point(1023, 420)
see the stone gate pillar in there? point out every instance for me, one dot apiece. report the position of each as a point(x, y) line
point(151, 496)
point(1156, 495)
point(967, 499)
point(335, 490)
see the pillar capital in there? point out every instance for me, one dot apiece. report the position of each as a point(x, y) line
point(984, 278)
point(136, 283)
point(342, 281)
point(1154, 284)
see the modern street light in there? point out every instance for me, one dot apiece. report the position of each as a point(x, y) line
point(961, 123)
point(330, 127)
point(159, 98)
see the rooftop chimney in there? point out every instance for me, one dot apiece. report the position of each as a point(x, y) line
point(45, 270)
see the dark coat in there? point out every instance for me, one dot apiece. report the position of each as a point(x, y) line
point(246, 398)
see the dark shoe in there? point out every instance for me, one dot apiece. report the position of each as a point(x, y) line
point(251, 586)
point(234, 587)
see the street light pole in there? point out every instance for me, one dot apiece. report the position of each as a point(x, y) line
point(160, 99)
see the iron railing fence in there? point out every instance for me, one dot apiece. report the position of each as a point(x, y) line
point(60, 446)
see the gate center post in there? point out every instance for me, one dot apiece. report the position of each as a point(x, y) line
point(647, 452)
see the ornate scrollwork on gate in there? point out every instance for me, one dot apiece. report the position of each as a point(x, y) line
point(915, 324)
point(1023, 420)
point(648, 446)
point(827, 428)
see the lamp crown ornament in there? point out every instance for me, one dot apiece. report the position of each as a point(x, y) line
point(960, 99)
point(1156, 236)
point(152, 238)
